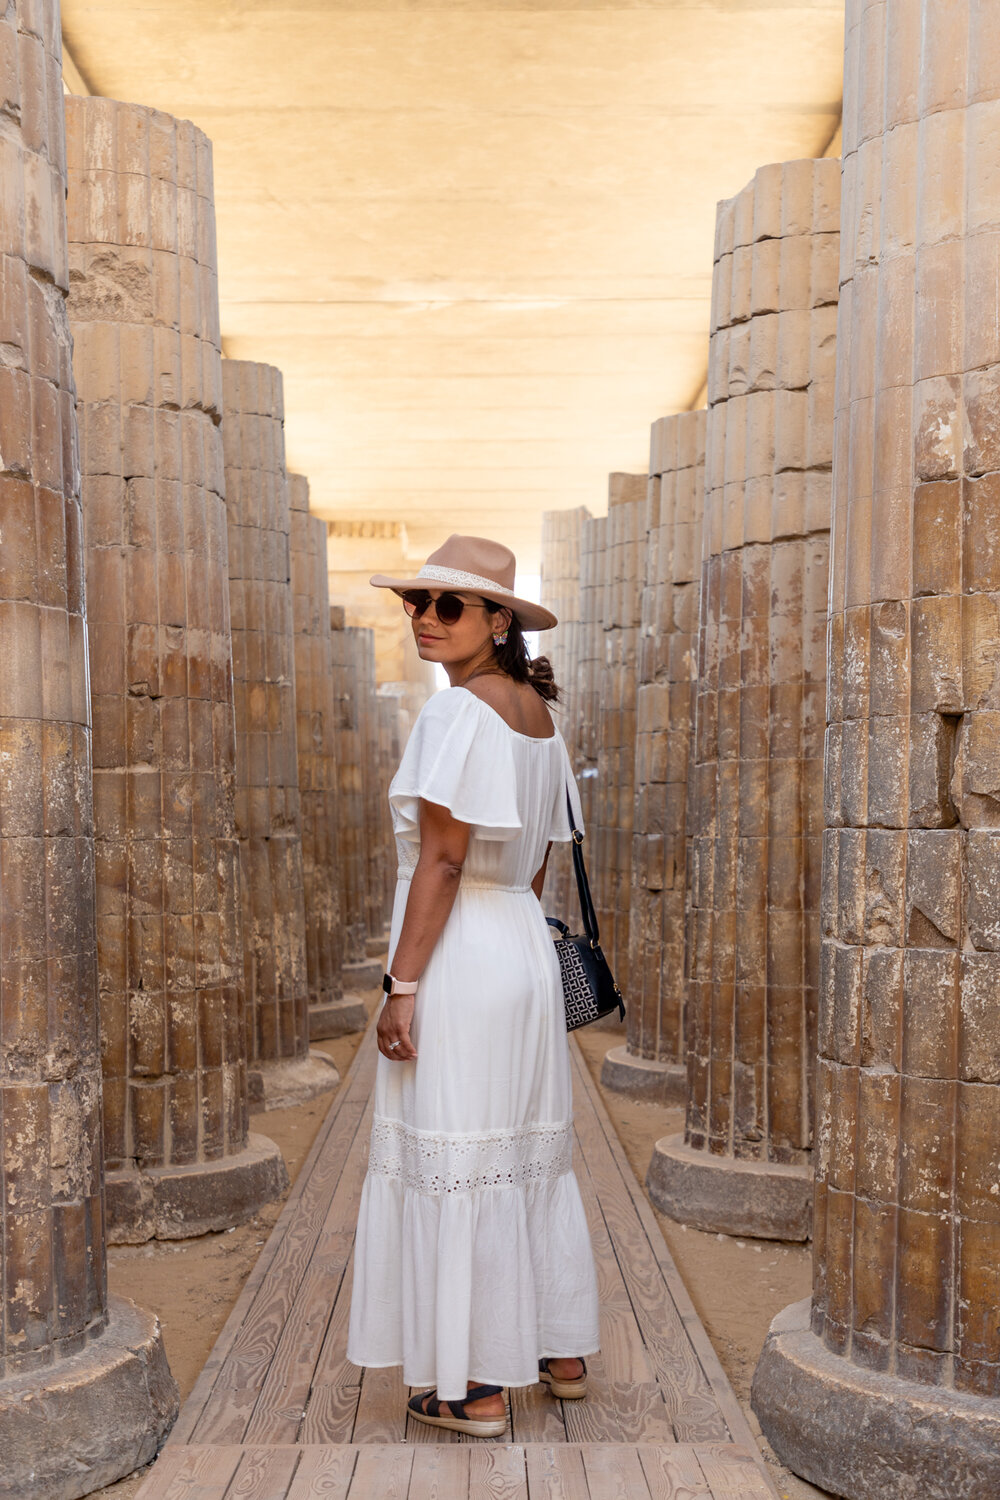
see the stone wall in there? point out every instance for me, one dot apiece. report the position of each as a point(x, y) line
point(561, 593)
point(651, 1064)
point(901, 1354)
point(85, 1393)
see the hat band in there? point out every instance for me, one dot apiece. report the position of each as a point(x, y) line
point(460, 580)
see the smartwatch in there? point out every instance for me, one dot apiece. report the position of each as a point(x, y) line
point(398, 986)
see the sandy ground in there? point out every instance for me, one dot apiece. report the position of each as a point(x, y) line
point(737, 1286)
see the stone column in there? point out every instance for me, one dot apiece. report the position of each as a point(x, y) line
point(560, 592)
point(593, 534)
point(375, 853)
point(744, 1165)
point(85, 1392)
point(892, 1386)
point(331, 1012)
point(359, 971)
point(651, 1063)
point(623, 569)
point(144, 315)
point(268, 819)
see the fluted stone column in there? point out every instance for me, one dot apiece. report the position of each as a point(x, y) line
point(331, 1012)
point(359, 970)
point(560, 592)
point(144, 316)
point(891, 1387)
point(651, 1063)
point(85, 1392)
point(744, 1163)
point(593, 534)
point(268, 819)
point(623, 570)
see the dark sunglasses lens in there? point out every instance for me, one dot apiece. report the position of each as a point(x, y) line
point(448, 608)
point(415, 601)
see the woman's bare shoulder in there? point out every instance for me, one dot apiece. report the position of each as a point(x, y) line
point(517, 703)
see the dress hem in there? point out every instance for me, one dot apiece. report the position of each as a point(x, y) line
point(509, 1385)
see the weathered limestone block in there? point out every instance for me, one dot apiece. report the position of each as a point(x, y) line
point(891, 1387)
point(744, 1163)
point(622, 571)
point(331, 1012)
point(268, 818)
point(560, 592)
point(651, 1064)
point(94, 1366)
point(144, 315)
point(353, 651)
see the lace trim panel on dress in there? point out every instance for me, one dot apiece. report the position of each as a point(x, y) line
point(433, 1163)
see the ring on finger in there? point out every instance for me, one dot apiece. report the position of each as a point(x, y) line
point(393, 1046)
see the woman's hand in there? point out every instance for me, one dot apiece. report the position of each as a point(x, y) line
point(394, 1026)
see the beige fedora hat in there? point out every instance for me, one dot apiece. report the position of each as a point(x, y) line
point(475, 565)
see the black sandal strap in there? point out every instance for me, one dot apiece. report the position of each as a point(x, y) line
point(457, 1408)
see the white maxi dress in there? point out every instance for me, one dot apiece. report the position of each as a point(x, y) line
point(473, 1257)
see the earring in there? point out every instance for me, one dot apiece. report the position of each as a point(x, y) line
point(500, 638)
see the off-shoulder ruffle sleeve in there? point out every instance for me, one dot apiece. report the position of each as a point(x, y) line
point(459, 756)
point(559, 829)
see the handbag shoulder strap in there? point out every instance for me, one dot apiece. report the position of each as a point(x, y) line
point(582, 883)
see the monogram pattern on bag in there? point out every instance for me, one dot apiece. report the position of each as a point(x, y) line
point(578, 993)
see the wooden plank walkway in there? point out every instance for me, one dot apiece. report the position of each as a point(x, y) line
point(278, 1413)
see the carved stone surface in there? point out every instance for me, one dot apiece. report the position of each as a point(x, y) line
point(352, 656)
point(144, 315)
point(560, 592)
point(316, 738)
point(651, 1064)
point(756, 792)
point(268, 818)
point(907, 1212)
point(56, 1326)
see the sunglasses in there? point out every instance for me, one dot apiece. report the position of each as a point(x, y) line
point(447, 607)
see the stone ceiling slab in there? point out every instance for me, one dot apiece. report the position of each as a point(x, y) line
point(477, 241)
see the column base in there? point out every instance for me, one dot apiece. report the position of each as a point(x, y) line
point(366, 974)
point(867, 1435)
point(377, 947)
point(289, 1081)
point(86, 1421)
point(331, 1018)
point(643, 1077)
point(764, 1200)
point(180, 1202)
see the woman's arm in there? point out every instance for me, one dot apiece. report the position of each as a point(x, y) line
point(444, 842)
point(539, 880)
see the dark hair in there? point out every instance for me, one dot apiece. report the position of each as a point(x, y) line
point(513, 658)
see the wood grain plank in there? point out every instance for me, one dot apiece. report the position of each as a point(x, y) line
point(535, 1416)
point(263, 1474)
point(200, 1474)
point(284, 1391)
point(673, 1473)
point(333, 1367)
point(555, 1473)
point(440, 1473)
point(160, 1474)
point(330, 1414)
point(688, 1396)
point(497, 1473)
point(381, 1414)
point(232, 1360)
point(734, 1472)
point(594, 1419)
point(613, 1473)
point(382, 1473)
point(700, 1341)
point(323, 1473)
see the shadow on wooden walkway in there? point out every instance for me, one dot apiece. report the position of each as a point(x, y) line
point(278, 1413)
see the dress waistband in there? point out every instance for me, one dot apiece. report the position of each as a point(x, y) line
point(471, 885)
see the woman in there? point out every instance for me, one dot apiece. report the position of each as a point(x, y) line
point(473, 1267)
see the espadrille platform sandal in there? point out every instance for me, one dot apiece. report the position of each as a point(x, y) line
point(456, 1419)
point(566, 1390)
